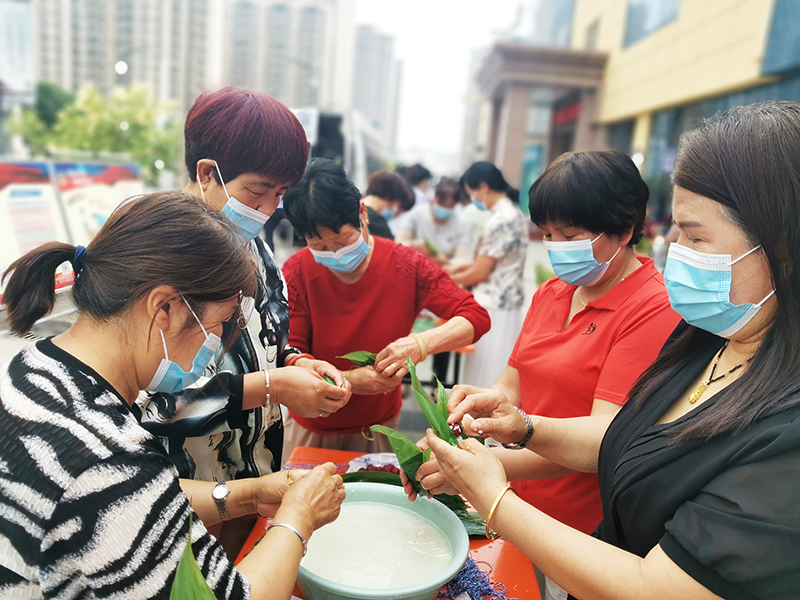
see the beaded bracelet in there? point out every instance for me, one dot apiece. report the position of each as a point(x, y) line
point(489, 534)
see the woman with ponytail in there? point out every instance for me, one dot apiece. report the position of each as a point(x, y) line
point(495, 275)
point(90, 504)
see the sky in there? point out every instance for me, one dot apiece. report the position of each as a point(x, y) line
point(434, 39)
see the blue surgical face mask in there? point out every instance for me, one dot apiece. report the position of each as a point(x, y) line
point(248, 221)
point(170, 378)
point(478, 203)
point(699, 287)
point(441, 213)
point(574, 262)
point(389, 213)
point(344, 260)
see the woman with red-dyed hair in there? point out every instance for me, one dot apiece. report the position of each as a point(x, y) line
point(243, 150)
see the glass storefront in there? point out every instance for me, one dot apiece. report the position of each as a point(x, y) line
point(668, 125)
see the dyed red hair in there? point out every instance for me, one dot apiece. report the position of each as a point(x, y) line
point(245, 132)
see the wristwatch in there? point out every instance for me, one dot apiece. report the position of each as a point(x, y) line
point(528, 434)
point(220, 495)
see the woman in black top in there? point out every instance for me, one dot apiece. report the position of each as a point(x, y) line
point(700, 471)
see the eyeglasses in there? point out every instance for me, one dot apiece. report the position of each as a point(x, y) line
point(246, 307)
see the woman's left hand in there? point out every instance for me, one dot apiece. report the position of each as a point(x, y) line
point(268, 490)
point(393, 359)
point(472, 468)
point(323, 368)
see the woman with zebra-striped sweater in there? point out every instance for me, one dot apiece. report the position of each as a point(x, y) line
point(90, 504)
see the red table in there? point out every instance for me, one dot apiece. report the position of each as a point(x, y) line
point(509, 565)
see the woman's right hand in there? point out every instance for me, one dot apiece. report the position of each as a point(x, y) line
point(313, 500)
point(494, 415)
point(367, 381)
point(306, 393)
point(430, 476)
point(472, 468)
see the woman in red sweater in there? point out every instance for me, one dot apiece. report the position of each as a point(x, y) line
point(351, 291)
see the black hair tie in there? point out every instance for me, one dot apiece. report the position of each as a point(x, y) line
point(77, 263)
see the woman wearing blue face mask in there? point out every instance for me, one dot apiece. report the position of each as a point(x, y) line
point(350, 290)
point(699, 471)
point(592, 330)
point(436, 230)
point(495, 275)
point(92, 505)
point(243, 150)
point(385, 196)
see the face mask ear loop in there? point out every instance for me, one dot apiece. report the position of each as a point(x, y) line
point(768, 296)
point(202, 193)
point(222, 181)
point(195, 316)
point(615, 254)
point(164, 342)
point(733, 262)
point(598, 237)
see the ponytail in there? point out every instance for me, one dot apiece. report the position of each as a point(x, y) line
point(31, 290)
point(513, 194)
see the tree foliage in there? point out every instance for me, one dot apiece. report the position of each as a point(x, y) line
point(128, 122)
point(51, 100)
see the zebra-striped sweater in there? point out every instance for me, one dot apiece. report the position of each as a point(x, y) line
point(90, 506)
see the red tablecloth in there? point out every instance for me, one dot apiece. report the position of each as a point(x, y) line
point(509, 565)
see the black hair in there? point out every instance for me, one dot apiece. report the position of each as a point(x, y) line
point(447, 182)
point(390, 187)
point(601, 192)
point(748, 160)
point(165, 238)
point(485, 172)
point(324, 197)
point(416, 174)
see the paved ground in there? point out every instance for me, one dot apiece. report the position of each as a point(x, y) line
point(412, 421)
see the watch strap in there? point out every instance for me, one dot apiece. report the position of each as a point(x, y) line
point(222, 503)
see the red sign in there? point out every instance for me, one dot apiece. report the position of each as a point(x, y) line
point(567, 114)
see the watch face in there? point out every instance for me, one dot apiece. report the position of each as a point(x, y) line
point(220, 491)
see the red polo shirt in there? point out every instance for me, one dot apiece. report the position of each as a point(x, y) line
point(600, 354)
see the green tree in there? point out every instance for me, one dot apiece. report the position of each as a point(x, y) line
point(35, 124)
point(130, 122)
point(51, 100)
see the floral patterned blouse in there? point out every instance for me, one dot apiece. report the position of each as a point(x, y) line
point(504, 237)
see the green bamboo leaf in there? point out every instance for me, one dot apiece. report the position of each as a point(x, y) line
point(436, 420)
point(441, 399)
point(408, 454)
point(362, 358)
point(329, 379)
point(431, 247)
point(189, 583)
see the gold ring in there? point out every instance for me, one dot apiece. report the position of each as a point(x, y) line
point(394, 366)
point(322, 413)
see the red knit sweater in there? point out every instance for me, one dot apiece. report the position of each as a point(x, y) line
point(330, 318)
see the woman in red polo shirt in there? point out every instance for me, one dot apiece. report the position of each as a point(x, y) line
point(590, 332)
point(350, 290)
